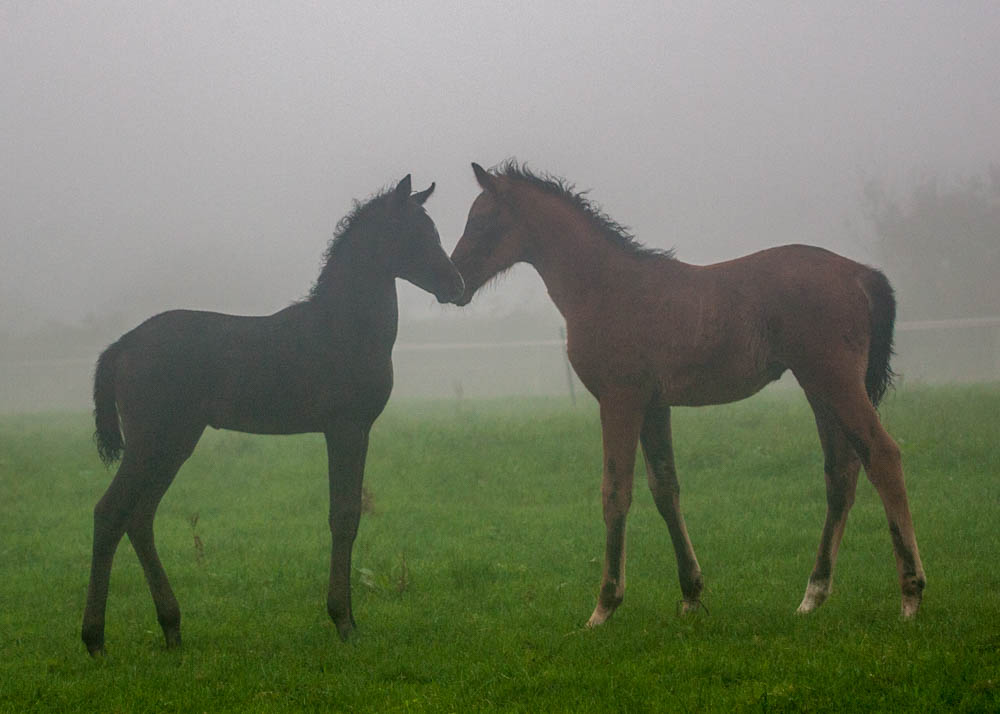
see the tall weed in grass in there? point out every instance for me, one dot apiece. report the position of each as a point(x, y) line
point(478, 562)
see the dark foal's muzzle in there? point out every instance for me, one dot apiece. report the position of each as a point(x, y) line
point(453, 292)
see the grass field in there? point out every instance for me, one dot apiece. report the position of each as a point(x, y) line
point(479, 563)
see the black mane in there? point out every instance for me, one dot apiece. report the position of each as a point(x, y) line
point(360, 211)
point(556, 186)
point(363, 215)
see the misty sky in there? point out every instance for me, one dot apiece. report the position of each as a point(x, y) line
point(160, 155)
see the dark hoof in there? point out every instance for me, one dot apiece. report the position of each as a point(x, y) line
point(93, 640)
point(173, 639)
point(346, 630)
point(691, 607)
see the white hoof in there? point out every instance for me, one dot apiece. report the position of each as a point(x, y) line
point(816, 595)
point(910, 606)
point(599, 616)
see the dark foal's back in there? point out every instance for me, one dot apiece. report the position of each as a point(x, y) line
point(290, 372)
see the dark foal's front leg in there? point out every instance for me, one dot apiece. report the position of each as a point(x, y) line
point(621, 416)
point(346, 446)
point(657, 447)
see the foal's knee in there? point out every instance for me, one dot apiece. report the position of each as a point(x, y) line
point(886, 449)
point(839, 497)
point(664, 488)
point(109, 521)
point(884, 467)
point(616, 502)
point(344, 522)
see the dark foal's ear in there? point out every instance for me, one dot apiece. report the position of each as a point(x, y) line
point(401, 194)
point(423, 195)
point(485, 179)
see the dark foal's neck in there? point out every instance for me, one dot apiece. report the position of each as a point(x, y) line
point(356, 290)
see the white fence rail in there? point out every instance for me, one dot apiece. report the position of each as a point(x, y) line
point(960, 350)
point(956, 324)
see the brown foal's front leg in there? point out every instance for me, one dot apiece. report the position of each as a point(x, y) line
point(621, 417)
point(657, 446)
point(346, 446)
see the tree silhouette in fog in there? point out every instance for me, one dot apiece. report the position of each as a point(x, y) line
point(941, 247)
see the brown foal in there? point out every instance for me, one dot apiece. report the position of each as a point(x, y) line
point(646, 331)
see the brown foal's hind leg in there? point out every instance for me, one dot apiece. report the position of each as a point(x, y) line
point(840, 467)
point(881, 458)
point(659, 452)
point(347, 447)
point(620, 420)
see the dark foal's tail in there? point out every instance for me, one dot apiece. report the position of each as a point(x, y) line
point(108, 434)
point(879, 376)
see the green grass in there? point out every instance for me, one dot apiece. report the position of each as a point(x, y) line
point(480, 562)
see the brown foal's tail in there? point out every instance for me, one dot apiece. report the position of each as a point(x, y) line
point(879, 376)
point(108, 434)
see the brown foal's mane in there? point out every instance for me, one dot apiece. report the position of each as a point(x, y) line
point(555, 186)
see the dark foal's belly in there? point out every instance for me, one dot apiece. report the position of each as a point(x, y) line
point(298, 411)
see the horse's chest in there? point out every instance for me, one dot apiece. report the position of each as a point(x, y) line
point(362, 386)
point(602, 360)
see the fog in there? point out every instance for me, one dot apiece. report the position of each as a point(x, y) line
point(163, 155)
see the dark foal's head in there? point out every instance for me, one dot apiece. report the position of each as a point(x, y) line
point(493, 240)
point(393, 233)
point(415, 253)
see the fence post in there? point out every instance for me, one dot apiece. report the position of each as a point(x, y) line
point(996, 352)
point(569, 367)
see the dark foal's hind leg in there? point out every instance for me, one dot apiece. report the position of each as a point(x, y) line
point(621, 416)
point(658, 449)
point(347, 447)
point(840, 466)
point(140, 534)
point(129, 505)
point(111, 516)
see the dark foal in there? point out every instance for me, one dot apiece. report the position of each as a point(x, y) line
point(646, 332)
point(320, 365)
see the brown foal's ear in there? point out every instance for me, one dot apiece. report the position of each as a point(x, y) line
point(485, 179)
point(424, 195)
point(401, 193)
